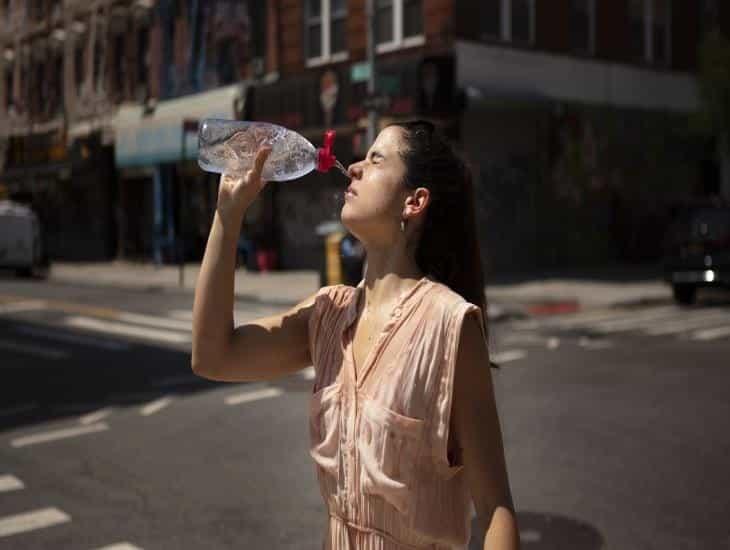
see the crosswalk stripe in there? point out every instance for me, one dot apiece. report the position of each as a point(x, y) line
point(111, 327)
point(35, 350)
point(95, 416)
point(150, 320)
point(57, 434)
point(631, 322)
point(156, 406)
point(255, 395)
point(10, 483)
point(21, 306)
point(605, 316)
point(711, 334)
point(30, 521)
point(507, 356)
point(120, 546)
point(689, 323)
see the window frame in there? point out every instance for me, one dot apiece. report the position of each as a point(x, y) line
point(592, 25)
point(324, 19)
point(505, 33)
point(649, 56)
point(399, 41)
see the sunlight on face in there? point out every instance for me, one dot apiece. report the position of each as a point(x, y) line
point(378, 198)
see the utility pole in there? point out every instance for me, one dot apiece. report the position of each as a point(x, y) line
point(372, 110)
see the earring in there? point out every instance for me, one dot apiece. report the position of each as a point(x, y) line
point(402, 226)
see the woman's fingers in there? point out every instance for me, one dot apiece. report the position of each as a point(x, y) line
point(261, 155)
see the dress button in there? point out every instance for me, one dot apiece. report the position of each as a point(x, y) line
point(397, 312)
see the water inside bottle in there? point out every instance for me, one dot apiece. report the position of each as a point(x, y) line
point(341, 168)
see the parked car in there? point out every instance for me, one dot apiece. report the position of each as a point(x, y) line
point(697, 251)
point(21, 240)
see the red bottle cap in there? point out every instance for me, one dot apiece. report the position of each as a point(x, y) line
point(325, 158)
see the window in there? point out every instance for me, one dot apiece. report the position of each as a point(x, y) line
point(9, 84)
point(650, 30)
point(661, 35)
point(399, 23)
point(79, 61)
point(637, 16)
point(119, 67)
point(142, 65)
point(325, 30)
point(491, 16)
point(708, 15)
point(509, 20)
point(583, 26)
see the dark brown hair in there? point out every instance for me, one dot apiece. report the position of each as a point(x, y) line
point(448, 247)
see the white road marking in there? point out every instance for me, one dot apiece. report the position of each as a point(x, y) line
point(30, 521)
point(155, 406)
point(10, 483)
point(696, 321)
point(253, 396)
point(25, 407)
point(121, 546)
point(37, 351)
point(594, 344)
point(90, 418)
point(308, 373)
point(184, 314)
point(57, 434)
point(553, 343)
point(111, 327)
point(509, 355)
point(530, 535)
point(592, 319)
point(711, 334)
point(152, 321)
point(633, 320)
point(23, 305)
point(72, 338)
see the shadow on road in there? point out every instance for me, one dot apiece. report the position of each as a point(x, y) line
point(83, 379)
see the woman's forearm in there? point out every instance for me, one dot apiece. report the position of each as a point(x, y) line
point(214, 293)
point(502, 533)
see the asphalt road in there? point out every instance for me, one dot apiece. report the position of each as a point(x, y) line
point(614, 425)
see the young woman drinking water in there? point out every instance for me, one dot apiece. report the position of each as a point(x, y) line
point(403, 425)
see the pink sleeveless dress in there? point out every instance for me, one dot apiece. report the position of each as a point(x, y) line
point(379, 434)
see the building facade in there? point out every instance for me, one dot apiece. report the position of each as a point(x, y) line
point(574, 114)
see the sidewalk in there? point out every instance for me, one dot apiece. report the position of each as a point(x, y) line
point(512, 296)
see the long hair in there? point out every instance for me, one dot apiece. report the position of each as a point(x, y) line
point(448, 247)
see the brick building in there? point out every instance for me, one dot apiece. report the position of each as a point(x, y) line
point(573, 113)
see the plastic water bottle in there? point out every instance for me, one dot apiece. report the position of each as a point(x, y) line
point(230, 146)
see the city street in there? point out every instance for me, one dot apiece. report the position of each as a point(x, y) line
point(614, 423)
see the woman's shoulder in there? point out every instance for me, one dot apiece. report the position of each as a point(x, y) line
point(445, 298)
point(337, 295)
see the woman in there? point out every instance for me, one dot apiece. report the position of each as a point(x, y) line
point(404, 429)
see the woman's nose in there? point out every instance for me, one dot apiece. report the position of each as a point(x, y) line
point(354, 170)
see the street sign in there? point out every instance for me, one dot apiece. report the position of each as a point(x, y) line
point(359, 72)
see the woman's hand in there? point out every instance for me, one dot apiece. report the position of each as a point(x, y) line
point(238, 191)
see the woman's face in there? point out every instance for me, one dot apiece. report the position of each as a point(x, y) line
point(373, 210)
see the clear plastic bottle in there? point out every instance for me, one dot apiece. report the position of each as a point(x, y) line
point(231, 145)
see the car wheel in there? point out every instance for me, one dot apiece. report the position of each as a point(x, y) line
point(685, 294)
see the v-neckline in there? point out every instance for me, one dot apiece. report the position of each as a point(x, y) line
point(394, 315)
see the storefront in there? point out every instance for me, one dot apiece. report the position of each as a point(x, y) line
point(166, 201)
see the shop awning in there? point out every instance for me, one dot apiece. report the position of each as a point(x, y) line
point(156, 137)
